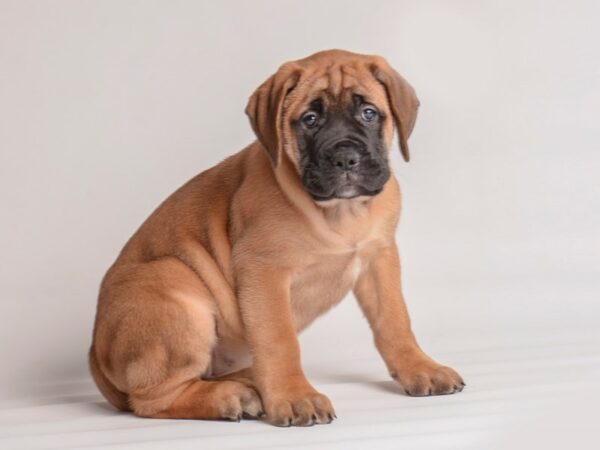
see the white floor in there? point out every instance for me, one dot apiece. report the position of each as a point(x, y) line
point(530, 393)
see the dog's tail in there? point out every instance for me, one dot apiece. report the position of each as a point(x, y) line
point(114, 396)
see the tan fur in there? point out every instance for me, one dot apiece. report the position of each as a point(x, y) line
point(226, 272)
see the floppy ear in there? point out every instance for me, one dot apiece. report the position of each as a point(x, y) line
point(402, 99)
point(265, 109)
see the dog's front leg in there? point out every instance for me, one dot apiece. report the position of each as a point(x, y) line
point(288, 397)
point(379, 293)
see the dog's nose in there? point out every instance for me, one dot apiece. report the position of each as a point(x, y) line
point(346, 159)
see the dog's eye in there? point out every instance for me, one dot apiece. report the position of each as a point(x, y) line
point(310, 119)
point(369, 114)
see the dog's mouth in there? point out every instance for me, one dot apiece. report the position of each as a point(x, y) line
point(346, 186)
point(346, 196)
point(345, 192)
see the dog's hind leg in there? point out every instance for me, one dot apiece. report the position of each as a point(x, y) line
point(154, 336)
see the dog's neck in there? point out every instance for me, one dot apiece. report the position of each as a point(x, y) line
point(341, 223)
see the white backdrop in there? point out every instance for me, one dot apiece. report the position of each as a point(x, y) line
point(107, 107)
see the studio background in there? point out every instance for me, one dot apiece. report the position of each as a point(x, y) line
point(107, 107)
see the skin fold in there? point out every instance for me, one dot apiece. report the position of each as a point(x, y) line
point(199, 315)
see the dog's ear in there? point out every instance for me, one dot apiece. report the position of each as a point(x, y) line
point(402, 99)
point(265, 109)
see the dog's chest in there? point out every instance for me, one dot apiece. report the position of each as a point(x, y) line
point(318, 287)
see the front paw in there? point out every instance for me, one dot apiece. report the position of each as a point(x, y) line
point(299, 407)
point(421, 376)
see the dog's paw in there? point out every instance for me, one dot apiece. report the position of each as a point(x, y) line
point(236, 401)
point(303, 408)
point(420, 376)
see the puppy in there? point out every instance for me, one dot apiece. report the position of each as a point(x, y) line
point(198, 317)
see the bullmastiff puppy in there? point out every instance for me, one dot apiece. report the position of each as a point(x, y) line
point(199, 315)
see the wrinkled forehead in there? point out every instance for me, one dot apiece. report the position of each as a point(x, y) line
point(336, 86)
